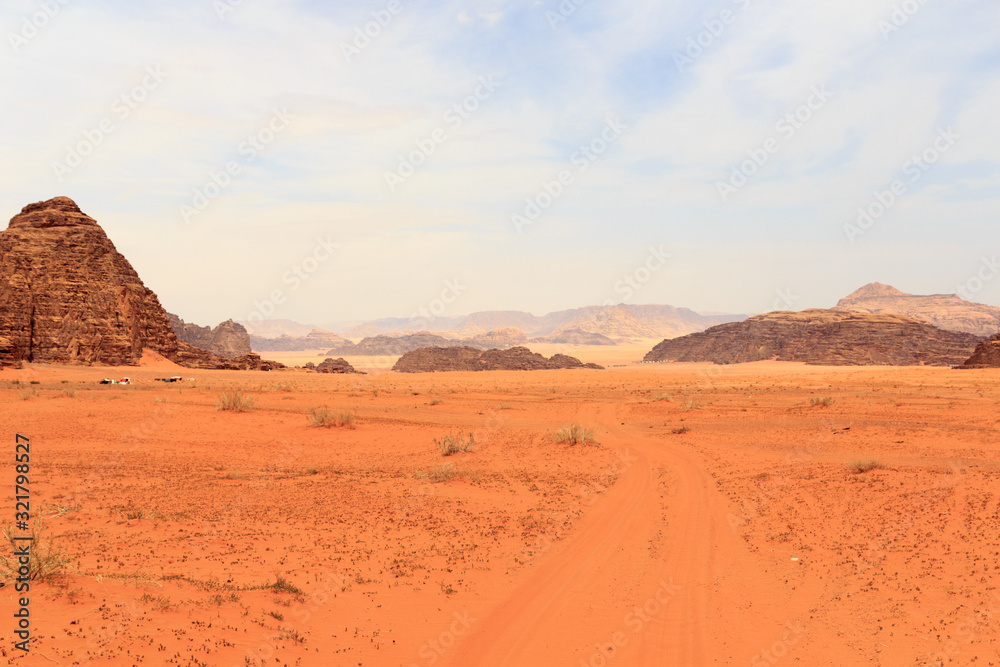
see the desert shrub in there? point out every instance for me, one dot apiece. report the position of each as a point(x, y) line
point(44, 560)
point(26, 394)
point(826, 401)
point(455, 444)
point(858, 466)
point(234, 401)
point(662, 397)
point(680, 431)
point(442, 473)
point(69, 392)
point(436, 401)
point(282, 585)
point(325, 418)
point(575, 434)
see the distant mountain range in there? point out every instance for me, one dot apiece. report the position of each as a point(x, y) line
point(592, 325)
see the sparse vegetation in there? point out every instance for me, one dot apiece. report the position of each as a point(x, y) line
point(323, 417)
point(235, 474)
point(234, 401)
point(69, 392)
point(282, 585)
point(26, 394)
point(455, 444)
point(442, 473)
point(826, 401)
point(575, 434)
point(436, 401)
point(506, 406)
point(662, 397)
point(680, 431)
point(44, 560)
point(859, 466)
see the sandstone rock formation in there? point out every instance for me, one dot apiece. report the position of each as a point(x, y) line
point(945, 311)
point(822, 337)
point(228, 340)
point(336, 366)
point(986, 355)
point(466, 358)
point(68, 296)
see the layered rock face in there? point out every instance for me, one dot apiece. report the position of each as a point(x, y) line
point(431, 359)
point(822, 337)
point(228, 340)
point(68, 296)
point(339, 365)
point(945, 311)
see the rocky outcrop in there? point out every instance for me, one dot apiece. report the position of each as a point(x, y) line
point(575, 337)
point(822, 337)
point(945, 311)
point(68, 296)
point(986, 355)
point(336, 366)
point(466, 358)
point(228, 340)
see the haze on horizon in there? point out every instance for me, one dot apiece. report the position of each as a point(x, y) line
point(714, 154)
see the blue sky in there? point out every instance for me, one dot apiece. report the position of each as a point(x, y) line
point(671, 98)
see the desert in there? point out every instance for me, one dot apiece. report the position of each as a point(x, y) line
point(715, 516)
point(500, 333)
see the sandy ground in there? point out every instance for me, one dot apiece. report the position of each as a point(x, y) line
point(716, 520)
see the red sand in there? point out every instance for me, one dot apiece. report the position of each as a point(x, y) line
point(745, 540)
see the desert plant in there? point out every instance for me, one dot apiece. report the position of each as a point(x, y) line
point(326, 418)
point(455, 444)
point(436, 401)
point(234, 401)
point(858, 466)
point(44, 560)
point(69, 392)
point(826, 401)
point(282, 585)
point(575, 434)
point(680, 431)
point(662, 397)
point(442, 473)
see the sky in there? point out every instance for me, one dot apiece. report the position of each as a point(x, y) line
point(333, 162)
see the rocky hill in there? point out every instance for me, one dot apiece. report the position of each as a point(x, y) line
point(431, 359)
point(986, 355)
point(822, 337)
point(68, 296)
point(945, 311)
point(228, 340)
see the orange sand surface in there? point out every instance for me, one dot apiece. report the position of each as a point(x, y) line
point(717, 520)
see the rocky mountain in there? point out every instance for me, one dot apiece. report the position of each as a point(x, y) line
point(228, 340)
point(314, 340)
point(68, 296)
point(463, 358)
point(986, 355)
point(822, 337)
point(574, 337)
point(945, 311)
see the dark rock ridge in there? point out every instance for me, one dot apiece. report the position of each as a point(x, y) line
point(228, 340)
point(464, 358)
point(945, 311)
point(68, 296)
point(986, 355)
point(822, 337)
